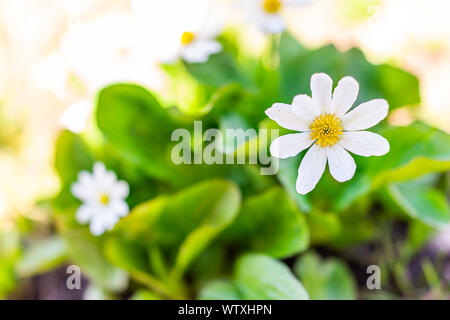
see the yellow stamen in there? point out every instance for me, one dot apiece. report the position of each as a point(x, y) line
point(187, 37)
point(104, 199)
point(272, 6)
point(326, 129)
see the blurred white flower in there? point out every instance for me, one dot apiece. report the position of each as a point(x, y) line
point(109, 49)
point(268, 15)
point(51, 73)
point(76, 116)
point(103, 198)
point(330, 130)
point(190, 31)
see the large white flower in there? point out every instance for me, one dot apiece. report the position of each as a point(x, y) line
point(103, 199)
point(190, 31)
point(268, 15)
point(329, 128)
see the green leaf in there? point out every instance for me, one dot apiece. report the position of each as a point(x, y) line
point(297, 65)
point(325, 280)
point(86, 251)
point(132, 120)
point(423, 203)
point(398, 86)
point(42, 256)
point(270, 223)
point(260, 277)
point(71, 156)
point(415, 150)
point(219, 70)
point(219, 290)
point(126, 255)
point(235, 122)
point(188, 220)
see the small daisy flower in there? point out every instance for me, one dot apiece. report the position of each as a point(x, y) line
point(190, 32)
point(103, 198)
point(268, 15)
point(329, 128)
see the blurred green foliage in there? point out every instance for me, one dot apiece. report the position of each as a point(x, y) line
point(221, 231)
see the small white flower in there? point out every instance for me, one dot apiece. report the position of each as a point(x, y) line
point(190, 31)
point(268, 15)
point(330, 130)
point(103, 199)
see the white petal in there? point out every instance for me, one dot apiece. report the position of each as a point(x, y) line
point(364, 143)
point(99, 170)
point(84, 188)
point(84, 213)
point(119, 189)
point(270, 23)
point(341, 164)
point(97, 226)
point(311, 169)
point(366, 115)
point(290, 145)
point(284, 115)
point(120, 208)
point(305, 108)
point(321, 85)
point(199, 51)
point(344, 96)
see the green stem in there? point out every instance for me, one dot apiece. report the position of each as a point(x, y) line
point(156, 285)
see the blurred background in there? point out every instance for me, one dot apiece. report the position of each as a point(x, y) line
point(56, 54)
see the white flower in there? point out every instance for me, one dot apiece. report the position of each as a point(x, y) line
point(103, 199)
point(109, 49)
point(329, 128)
point(190, 31)
point(268, 15)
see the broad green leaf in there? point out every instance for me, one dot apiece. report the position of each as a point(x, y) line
point(236, 124)
point(42, 256)
point(219, 290)
point(132, 120)
point(325, 280)
point(420, 202)
point(86, 251)
point(260, 277)
point(398, 86)
point(415, 150)
point(270, 223)
point(126, 255)
point(71, 156)
point(215, 204)
point(219, 70)
point(188, 220)
point(297, 65)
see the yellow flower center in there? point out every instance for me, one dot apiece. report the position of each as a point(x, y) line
point(272, 6)
point(326, 129)
point(187, 37)
point(104, 199)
